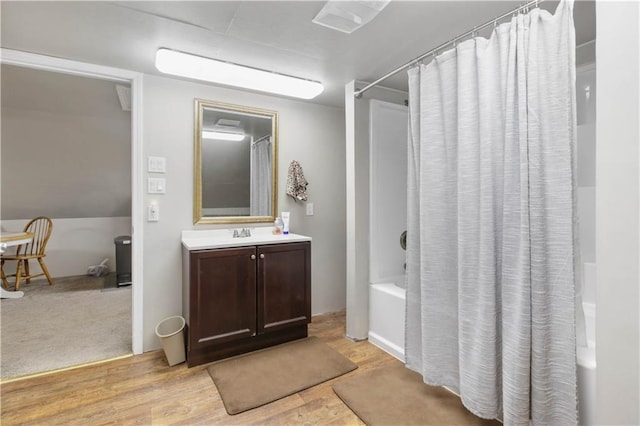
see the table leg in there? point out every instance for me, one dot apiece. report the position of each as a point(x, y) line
point(4, 294)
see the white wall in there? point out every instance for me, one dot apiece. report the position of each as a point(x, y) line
point(358, 228)
point(76, 244)
point(311, 134)
point(617, 213)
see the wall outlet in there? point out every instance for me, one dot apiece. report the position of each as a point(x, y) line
point(153, 213)
point(309, 209)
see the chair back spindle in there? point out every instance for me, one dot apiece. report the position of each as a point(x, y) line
point(41, 228)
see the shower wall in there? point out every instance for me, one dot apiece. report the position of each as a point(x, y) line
point(586, 147)
point(358, 210)
point(586, 153)
point(388, 124)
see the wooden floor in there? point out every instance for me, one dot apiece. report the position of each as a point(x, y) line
point(144, 390)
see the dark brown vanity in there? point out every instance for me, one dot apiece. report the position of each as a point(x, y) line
point(243, 294)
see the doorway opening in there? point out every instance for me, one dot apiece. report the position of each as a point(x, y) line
point(133, 226)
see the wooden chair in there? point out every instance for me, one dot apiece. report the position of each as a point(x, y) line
point(41, 228)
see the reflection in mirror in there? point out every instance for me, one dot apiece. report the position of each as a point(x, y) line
point(235, 163)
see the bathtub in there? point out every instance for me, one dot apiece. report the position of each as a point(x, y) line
point(386, 317)
point(586, 355)
point(386, 331)
point(586, 358)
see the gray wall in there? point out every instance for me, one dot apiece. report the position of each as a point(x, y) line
point(63, 156)
point(311, 134)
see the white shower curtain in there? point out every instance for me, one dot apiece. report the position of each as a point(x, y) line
point(490, 250)
point(260, 177)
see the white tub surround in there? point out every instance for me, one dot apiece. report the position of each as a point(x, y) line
point(586, 204)
point(586, 358)
point(386, 318)
point(387, 204)
point(387, 221)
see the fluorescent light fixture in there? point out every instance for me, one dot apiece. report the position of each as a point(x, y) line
point(201, 68)
point(222, 136)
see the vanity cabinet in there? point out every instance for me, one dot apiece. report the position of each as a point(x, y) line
point(240, 299)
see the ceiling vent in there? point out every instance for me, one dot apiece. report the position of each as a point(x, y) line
point(224, 122)
point(348, 16)
point(124, 96)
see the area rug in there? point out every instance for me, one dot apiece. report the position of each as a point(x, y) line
point(255, 379)
point(396, 395)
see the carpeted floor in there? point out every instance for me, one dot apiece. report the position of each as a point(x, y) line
point(77, 320)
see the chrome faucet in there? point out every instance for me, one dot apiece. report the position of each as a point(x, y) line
point(244, 232)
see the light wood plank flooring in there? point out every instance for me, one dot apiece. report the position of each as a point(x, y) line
point(144, 390)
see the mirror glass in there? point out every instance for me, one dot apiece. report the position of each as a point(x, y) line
point(235, 163)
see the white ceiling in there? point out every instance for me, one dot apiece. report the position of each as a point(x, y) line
point(273, 35)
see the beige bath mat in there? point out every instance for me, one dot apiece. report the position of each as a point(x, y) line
point(255, 379)
point(397, 396)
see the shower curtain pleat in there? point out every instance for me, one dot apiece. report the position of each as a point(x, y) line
point(490, 247)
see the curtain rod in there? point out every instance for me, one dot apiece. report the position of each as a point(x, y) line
point(260, 139)
point(414, 61)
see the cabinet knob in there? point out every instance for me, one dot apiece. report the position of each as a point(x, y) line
point(261, 255)
point(253, 257)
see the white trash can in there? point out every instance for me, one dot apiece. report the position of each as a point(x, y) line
point(171, 334)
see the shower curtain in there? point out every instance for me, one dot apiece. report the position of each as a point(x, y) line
point(491, 216)
point(260, 203)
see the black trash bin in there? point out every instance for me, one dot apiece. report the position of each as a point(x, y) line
point(123, 260)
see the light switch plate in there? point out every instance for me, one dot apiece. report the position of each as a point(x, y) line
point(156, 165)
point(156, 185)
point(309, 209)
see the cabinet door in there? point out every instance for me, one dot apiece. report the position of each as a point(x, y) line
point(284, 286)
point(222, 296)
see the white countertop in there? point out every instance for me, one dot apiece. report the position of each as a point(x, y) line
point(223, 238)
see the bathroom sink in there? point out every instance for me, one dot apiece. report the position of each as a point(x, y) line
point(221, 238)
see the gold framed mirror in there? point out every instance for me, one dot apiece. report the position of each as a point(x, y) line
point(235, 163)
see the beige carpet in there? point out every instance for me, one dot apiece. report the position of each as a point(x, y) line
point(397, 396)
point(73, 322)
point(255, 379)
